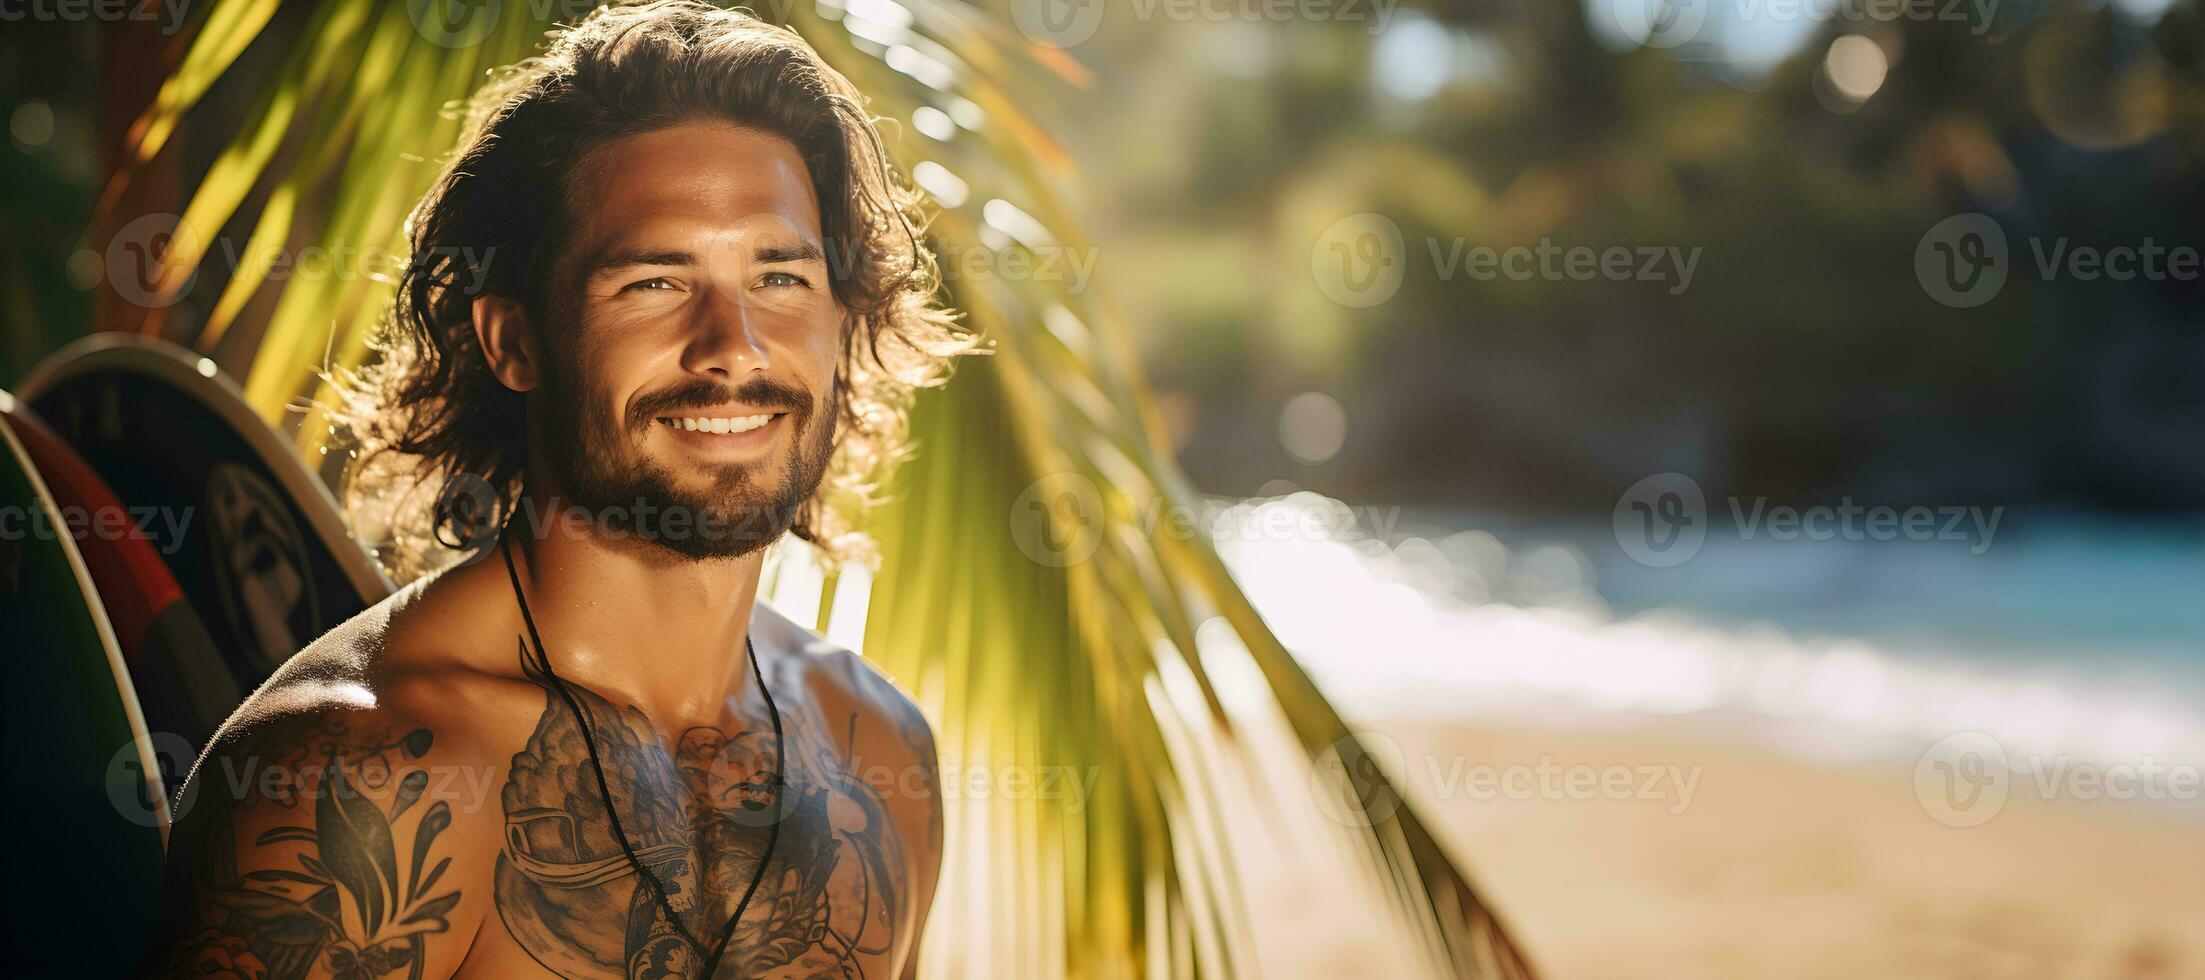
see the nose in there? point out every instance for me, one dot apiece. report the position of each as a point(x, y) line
point(721, 342)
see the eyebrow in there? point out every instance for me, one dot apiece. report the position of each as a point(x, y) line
point(804, 251)
point(641, 256)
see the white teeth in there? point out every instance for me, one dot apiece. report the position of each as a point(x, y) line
point(719, 425)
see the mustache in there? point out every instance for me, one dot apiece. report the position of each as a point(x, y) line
point(762, 392)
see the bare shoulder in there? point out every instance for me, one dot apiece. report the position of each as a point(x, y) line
point(883, 736)
point(424, 656)
point(888, 721)
point(343, 819)
point(889, 759)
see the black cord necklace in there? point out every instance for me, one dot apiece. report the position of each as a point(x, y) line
point(589, 742)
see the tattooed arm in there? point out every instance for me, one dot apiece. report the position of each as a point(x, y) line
point(894, 748)
point(321, 842)
point(925, 817)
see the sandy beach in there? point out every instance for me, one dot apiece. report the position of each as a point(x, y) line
point(1774, 867)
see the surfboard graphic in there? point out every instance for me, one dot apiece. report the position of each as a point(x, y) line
point(182, 684)
point(88, 819)
point(265, 558)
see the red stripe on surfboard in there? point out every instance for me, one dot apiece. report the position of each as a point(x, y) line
point(134, 583)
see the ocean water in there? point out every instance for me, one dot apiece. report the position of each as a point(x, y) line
point(2062, 636)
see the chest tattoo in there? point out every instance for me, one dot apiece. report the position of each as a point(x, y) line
point(698, 817)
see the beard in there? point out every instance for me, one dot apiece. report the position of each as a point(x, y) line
point(736, 513)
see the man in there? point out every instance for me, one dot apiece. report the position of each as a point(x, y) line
point(667, 305)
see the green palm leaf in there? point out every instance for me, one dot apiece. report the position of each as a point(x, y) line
point(1095, 654)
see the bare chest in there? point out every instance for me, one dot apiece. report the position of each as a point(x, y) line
point(703, 856)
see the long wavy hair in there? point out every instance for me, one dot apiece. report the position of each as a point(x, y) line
point(437, 433)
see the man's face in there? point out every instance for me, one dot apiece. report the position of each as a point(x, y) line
point(690, 362)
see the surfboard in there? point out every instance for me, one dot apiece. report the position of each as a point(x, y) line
point(87, 821)
point(182, 684)
point(266, 558)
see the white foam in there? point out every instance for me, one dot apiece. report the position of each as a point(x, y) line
point(1386, 637)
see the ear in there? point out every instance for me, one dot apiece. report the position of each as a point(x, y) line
point(508, 341)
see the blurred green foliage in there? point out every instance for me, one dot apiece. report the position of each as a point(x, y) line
point(1804, 361)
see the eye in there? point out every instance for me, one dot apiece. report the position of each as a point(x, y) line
point(784, 279)
point(649, 285)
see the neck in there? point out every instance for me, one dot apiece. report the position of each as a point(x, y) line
point(634, 620)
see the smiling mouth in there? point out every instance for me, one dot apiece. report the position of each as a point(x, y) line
point(719, 425)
